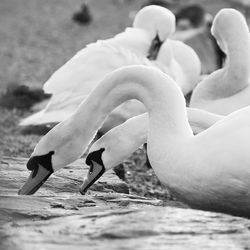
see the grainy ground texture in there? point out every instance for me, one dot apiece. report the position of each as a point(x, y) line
point(37, 37)
point(58, 217)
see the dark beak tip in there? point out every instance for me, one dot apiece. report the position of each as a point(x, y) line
point(20, 192)
point(82, 191)
point(35, 180)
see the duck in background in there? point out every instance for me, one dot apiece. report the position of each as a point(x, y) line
point(227, 89)
point(209, 171)
point(83, 16)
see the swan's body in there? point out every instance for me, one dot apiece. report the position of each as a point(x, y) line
point(133, 133)
point(70, 84)
point(208, 171)
point(227, 89)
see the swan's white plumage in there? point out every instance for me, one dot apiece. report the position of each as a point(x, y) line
point(86, 69)
point(227, 89)
point(131, 134)
point(71, 84)
point(59, 107)
point(182, 64)
point(176, 59)
point(81, 74)
point(209, 171)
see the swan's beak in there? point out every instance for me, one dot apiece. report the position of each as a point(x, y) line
point(41, 170)
point(96, 170)
point(35, 181)
point(154, 48)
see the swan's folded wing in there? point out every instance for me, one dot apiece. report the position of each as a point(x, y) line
point(88, 67)
point(59, 108)
point(133, 39)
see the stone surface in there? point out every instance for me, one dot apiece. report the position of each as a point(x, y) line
point(59, 217)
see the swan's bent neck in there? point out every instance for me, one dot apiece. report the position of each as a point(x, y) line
point(168, 124)
point(236, 41)
point(160, 94)
point(238, 56)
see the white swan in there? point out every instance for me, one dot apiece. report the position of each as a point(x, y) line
point(121, 141)
point(209, 171)
point(183, 64)
point(176, 59)
point(76, 79)
point(71, 83)
point(227, 89)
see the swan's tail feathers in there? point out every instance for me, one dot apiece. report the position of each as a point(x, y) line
point(42, 117)
point(59, 108)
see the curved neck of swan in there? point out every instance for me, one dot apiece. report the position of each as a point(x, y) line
point(168, 124)
point(238, 59)
point(133, 133)
point(160, 94)
point(239, 55)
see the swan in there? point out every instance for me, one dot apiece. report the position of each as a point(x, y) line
point(209, 171)
point(75, 80)
point(227, 89)
point(176, 59)
point(72, 82)
point(132, 134)
point(183, 64)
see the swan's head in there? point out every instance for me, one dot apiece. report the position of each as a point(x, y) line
point(114, 147)
point(54, 151)
point(158, 22)
point(228, 26)
point(103, 155)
